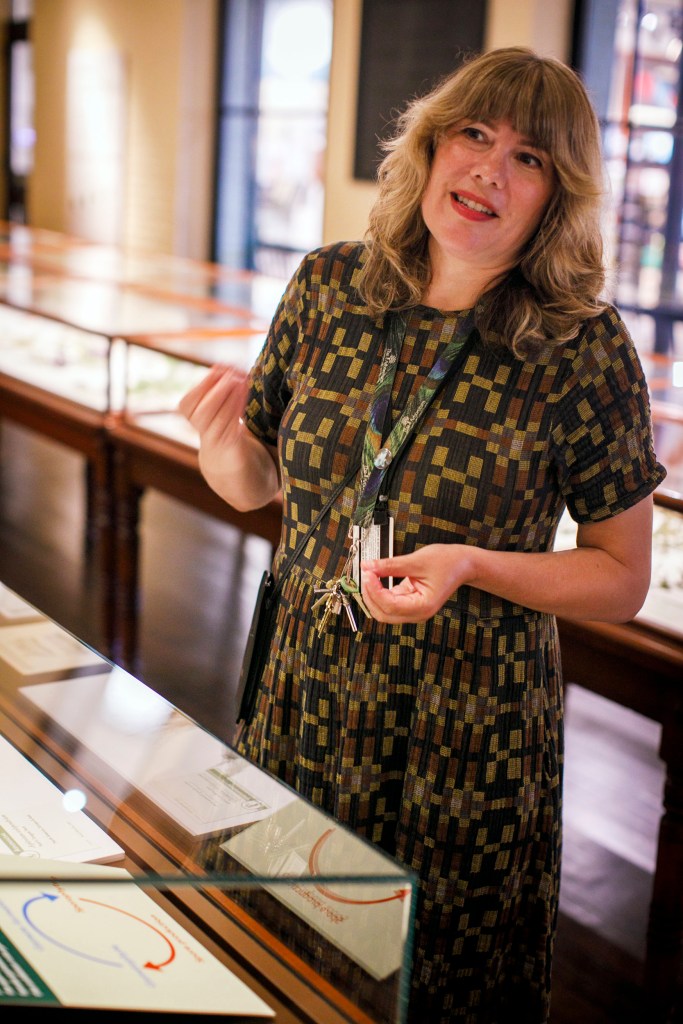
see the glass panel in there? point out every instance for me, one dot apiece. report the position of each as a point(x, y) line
point(56, 357)
point(639, 95)
point(290, 193)
point(145, 865)
point(644, 214)
point(295, 59)
point(643, 147)
point(235, 185)
point(160, 369)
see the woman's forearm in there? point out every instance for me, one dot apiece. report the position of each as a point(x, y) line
point(245, 475)
point(579, 583)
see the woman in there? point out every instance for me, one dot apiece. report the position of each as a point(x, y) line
point(435, 730)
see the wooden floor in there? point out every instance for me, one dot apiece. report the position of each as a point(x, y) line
point(199, 580)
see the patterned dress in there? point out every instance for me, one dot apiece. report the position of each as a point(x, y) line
point(440, 741)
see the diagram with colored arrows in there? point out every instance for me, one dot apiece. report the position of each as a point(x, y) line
point(354, 895)
point(89, 936)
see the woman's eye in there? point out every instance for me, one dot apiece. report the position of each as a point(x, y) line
point(530, 159)
point(472, 133)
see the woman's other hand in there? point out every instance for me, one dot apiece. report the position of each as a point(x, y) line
point(234, 462)
point(604, 578)
point(214, 407)
point(428, 578)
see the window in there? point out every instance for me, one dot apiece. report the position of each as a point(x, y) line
point(272, 132)
point(19, 131)
point(639, 97)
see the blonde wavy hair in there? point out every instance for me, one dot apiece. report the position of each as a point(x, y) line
point(560, 274)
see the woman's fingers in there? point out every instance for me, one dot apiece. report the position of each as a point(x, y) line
point(215, 405)
point(427, 578)
point(189, 402)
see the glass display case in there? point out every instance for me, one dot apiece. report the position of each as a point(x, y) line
point(158, 369)
point(56, 357)
point(204, 285)
point(98, 348)
point(663, 607)
point(52, 341)
point(145, 865)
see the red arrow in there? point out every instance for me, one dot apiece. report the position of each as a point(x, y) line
point(400, 894)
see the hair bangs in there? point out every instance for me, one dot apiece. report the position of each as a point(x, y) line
point(522, 97)
point(540, 100)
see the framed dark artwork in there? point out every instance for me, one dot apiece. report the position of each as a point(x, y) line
point(406, 47)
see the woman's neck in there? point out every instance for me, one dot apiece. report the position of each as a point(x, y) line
point(454, 287)
point(442, 295)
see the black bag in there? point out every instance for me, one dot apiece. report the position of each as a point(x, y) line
point(263, 620)
point(258, 645)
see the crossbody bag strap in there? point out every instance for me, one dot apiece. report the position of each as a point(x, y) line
point(260, 632)
point(289, 562)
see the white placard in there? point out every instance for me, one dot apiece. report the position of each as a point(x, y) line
point(367, 920)
point(36, 652)
point(14, 610)
point(35, 820)
point(105, 945)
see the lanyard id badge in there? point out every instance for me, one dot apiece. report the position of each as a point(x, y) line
point(372, 529)
point(373, 541)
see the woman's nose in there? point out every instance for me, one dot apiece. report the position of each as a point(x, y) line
point(490, 170)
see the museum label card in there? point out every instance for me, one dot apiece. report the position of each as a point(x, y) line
point(35, 652)
point(35, 820)
point(367, 917)
point(14, 610)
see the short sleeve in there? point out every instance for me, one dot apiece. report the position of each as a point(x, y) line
point(320, 286)
point(269, 394)
point(602, 430)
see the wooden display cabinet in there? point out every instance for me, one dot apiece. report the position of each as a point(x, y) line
point(216, 864)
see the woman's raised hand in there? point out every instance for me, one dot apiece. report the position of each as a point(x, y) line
point(214, 407)
point(235, 463)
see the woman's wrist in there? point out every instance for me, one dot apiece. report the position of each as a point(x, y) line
point(244, 474)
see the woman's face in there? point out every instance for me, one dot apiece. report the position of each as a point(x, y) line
point(487, 192)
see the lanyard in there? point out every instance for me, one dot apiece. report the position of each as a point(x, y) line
point(377, 457)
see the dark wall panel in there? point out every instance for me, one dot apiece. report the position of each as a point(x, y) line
point(406, 47)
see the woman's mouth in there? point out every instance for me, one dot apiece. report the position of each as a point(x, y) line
point(472, 207)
